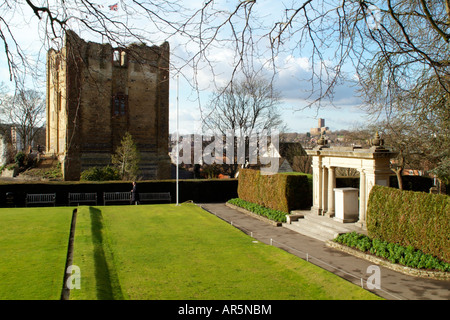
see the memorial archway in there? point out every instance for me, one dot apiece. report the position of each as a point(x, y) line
point(373, 165)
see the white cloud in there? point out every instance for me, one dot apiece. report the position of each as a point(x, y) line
point(293, 79)
point(298, 85)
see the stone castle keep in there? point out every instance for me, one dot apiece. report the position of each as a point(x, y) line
point(96, 93)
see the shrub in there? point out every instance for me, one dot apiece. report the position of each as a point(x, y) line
point(19, 159)
point(11, 166)
point(417, 219)
point(395, 253)
point(283, 192)
point(271, 214)
point(100, 174)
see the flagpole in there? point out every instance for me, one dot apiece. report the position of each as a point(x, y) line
point(178, 151)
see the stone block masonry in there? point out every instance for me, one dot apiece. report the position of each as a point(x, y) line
point(96, 93)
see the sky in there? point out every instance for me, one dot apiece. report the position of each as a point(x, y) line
point(296, 116)
point(290, 79)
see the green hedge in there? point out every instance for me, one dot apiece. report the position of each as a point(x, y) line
point(283, 192)
point(271, 214)
point(417, 219)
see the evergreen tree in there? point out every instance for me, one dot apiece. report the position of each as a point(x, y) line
point(127, 158)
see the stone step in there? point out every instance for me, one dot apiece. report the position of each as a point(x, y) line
point(313, 230)
point(319, 227)
point(332, 223)
point(304, 231)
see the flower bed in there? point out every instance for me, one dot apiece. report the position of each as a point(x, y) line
point(275, 215)
point(395, 253)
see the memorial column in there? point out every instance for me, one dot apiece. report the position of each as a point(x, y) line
point(362, 197)
point(324, 190)
point(331, 186)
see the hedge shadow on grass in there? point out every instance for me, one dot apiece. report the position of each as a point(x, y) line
point(107, 280)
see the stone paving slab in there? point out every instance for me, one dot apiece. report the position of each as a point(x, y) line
point(394, 285)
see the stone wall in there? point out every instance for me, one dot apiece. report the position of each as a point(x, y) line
point(96, 93)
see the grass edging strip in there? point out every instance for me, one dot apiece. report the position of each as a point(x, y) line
point(65, 293)
point(254, 215)
point(437, 275)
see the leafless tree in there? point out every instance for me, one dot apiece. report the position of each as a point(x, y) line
point(26, 112)
point(421, 147)
point(247, 107)
point(242, 111)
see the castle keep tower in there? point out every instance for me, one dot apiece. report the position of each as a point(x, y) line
point(96, 93)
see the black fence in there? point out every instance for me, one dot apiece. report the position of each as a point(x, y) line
point(199, 191)
point(412, 183)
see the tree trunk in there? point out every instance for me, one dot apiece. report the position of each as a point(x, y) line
point(399, 169)
point(398, 173)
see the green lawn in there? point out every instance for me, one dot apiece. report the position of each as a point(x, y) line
point(182, 252)
point(33, 250)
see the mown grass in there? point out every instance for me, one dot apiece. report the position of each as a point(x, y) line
point(33, 251)
point(182, 252)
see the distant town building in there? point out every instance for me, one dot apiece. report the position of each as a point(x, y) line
point(321, 122)
point(96, 93)
point(3, 150)
point(320, 129)
point(16, 139)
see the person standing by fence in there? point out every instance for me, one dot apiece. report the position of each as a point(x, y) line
point(134, 194)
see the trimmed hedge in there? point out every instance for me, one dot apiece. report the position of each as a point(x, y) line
point(417, 219)
point(283, 192)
